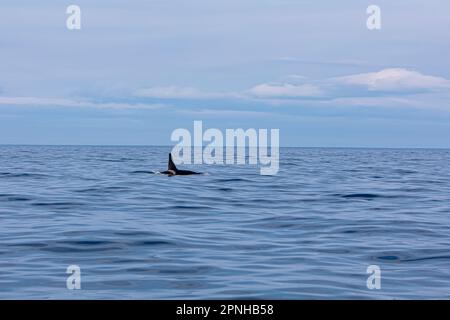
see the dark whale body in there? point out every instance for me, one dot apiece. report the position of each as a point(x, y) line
point(173, 171)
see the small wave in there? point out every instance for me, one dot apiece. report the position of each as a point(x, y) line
point(144, 172)
point(225, 189)
point(102, 189)
point(21, 175)
point(33, 245)
point(292, 164)
point(405, 171)
point(190, 207)
point(371, 196)
point(88, 190)
point(94, 245)
point(365, 196)
point(88, 242)
point(428, 258)
point(58, 205)
point(110, 160)
point(396, 257)
point(231, 180)
point(12, 197)
point(153, 243)
point(389, 258)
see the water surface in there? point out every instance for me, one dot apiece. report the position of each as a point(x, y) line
point(309, 232)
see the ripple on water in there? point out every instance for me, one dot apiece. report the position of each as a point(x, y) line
point(67, 246)
point(14, 198)
point(22, 175)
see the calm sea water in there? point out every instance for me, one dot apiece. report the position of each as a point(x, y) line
point(309, 232)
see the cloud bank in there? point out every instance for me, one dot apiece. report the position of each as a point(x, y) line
point(385, 82)
point(391, 86)
point(285, 90)
point(395, 80)
point(57, 102)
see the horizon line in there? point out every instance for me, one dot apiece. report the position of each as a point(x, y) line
point(169, 146)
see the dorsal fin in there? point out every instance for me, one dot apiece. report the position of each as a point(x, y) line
point(171, 165)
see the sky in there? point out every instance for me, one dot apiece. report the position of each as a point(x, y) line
point(136, 71)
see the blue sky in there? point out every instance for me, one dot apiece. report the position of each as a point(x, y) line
point(136, 71)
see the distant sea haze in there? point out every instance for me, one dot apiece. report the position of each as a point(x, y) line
point(310, 231)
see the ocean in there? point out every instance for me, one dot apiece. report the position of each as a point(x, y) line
point(309, 232)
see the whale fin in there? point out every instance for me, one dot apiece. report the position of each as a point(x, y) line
point(171, 166)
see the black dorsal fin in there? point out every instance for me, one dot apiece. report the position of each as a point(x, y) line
point(171, 165)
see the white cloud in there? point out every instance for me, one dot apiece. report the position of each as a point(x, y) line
point(225, 112)
point(391, 80)
point(174, 92)
point(395, 79)
point(284, 91)
point(262, 91)
point(35, 101)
